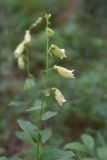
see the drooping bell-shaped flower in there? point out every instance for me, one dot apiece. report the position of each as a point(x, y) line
point(64, 72)
point(20, 49)
point(59, 96)
point(58, 52)
point(21, 62)
point(50, 32)
point(27, 37)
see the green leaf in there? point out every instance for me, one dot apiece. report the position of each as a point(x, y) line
point(23, 136)
point(36, 106)
point(48, 115)
point(75, 146)
point(33, 108)
point(16, 103)
point(102, 153)
point(3, 158)
point(27, 126)
point(88, 141)
point(46, 134)
point(29, 129)
point(29, 84)
point(56, 154)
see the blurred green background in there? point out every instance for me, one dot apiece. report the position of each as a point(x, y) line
point(81, 28)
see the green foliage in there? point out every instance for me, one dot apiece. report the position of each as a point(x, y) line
point(76, 146)
point(30, 129)
point(3, 158)
point(46, 134)
point(88, 150)
point(88, 141)
point(102, 153)
point(56, 154)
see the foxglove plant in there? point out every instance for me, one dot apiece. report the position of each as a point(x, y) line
point(22, 56)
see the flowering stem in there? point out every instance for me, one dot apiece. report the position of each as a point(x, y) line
point(47, 50)
point(45, 86)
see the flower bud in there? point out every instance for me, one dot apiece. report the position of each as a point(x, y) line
point(21, 63)
point(47, 16)
point(39, 20)
point(58, 96)
point(50, 32)
point(64, 72)
point(27, 37)
point(58, 52)
point(19, 50)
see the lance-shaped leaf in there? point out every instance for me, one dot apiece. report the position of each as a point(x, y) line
point(56, 154)
point(29, 129)
point(46, 134)
point(76, 146)
point(48, 115)
point(88, 141)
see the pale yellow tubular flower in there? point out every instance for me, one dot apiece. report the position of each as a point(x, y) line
point(50, 32)
point(21, 63)
point(58, 52)
point(27, 37)
point(20, 49)
point(64, 72)
point(58, 96)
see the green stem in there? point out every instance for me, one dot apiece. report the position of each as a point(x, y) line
point(47, 50)
point(38, 144)
point(46, 83)
point(41, 113)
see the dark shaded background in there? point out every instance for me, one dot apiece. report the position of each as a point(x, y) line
point(81, 28)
